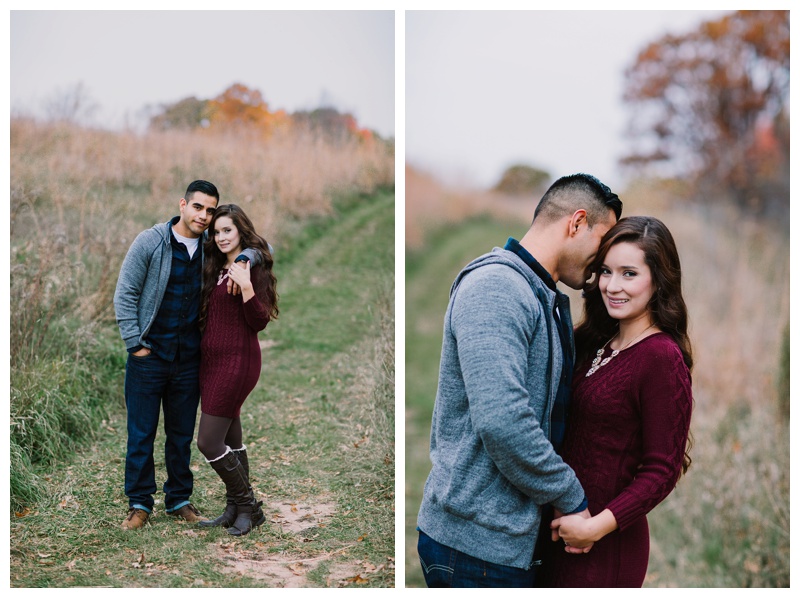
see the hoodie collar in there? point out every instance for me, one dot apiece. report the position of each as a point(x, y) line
point(514, 246)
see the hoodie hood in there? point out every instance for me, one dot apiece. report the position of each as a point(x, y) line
point(498, 255)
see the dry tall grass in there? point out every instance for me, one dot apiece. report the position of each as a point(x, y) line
point(292, 174)
point(727, 522)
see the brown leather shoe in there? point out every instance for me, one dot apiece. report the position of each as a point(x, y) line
point(136, 518)
point(189, 513)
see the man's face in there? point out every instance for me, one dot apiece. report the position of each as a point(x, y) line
point(581, 251)
point(196, 213)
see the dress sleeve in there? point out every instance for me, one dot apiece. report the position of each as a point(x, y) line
point(256, 313)
point(663, 386)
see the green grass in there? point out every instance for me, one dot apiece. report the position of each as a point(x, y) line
point(319, 429)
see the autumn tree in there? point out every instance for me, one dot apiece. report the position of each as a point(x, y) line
point(189, 113)
point(712, 105)
point(239, 106)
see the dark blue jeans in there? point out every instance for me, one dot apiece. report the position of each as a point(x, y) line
point(446, 567)
point(150, 384)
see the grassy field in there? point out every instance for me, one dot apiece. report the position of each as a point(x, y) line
point(319, 429)
point(320, 424)
point(727, 522)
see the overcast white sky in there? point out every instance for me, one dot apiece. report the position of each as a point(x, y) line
point(485, 90)
point(130, 59)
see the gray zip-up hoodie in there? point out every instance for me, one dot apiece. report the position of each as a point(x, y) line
point(493, 463)
point(143, 280)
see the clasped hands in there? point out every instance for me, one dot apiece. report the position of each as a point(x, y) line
point(575, 530)
point(238, 277)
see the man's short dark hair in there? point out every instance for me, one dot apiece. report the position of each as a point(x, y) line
point(575, 192)
point(203, 187)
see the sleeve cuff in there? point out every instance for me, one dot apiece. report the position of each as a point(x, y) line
point(582, 507)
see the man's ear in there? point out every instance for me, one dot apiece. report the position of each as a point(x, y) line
point(577, 221)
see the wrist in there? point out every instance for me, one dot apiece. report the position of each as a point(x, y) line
point(593, 528)
point(601, 524)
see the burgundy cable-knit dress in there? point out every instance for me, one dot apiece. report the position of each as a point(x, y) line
point(230, 354)
point(626, 436)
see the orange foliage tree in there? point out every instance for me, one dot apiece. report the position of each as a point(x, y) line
point(713, 105)
point(240, 106)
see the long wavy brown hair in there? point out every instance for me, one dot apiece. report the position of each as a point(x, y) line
point(667, 307)
point(214, 261)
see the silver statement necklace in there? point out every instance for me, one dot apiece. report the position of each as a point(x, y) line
point(597, 364)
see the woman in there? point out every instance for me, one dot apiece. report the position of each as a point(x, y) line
point(628, 425)
point(231, 357)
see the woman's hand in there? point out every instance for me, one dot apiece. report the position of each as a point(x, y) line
point(239, 273)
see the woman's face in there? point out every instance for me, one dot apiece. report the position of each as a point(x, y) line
point(226, 236)
point(626, 283)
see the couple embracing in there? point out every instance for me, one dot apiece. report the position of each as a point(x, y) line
point(550, 445)
point(189, 304)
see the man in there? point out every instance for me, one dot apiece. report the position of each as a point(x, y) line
point(157, 303)
point(505, 371)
